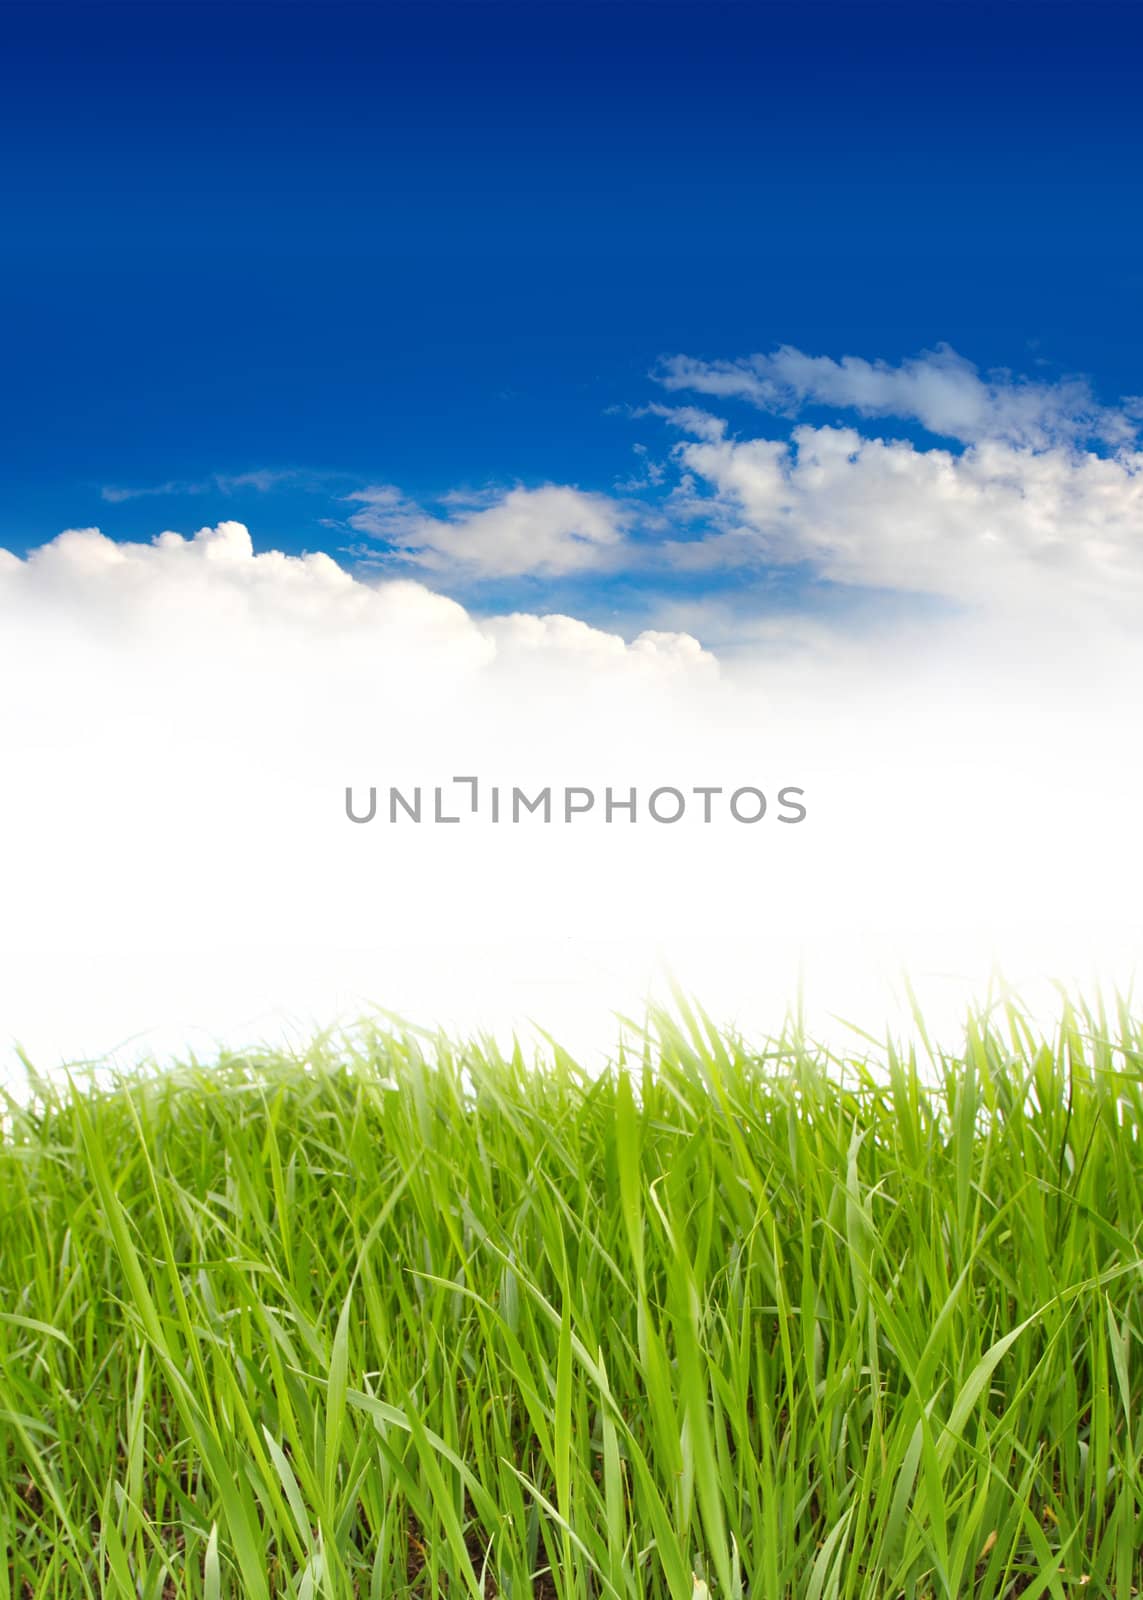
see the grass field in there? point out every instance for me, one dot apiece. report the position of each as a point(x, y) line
point(406, 1318)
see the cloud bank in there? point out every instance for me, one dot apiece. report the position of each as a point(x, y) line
point(181, 718)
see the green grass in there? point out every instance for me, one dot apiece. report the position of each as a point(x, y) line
point(408, 1318)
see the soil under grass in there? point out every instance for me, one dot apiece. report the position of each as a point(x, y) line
point(408, 1318)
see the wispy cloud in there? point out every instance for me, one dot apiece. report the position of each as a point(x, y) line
point(939, 389)
point(651, 473)
point(261, 481)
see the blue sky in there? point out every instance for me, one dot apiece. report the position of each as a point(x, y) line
point(262, 257)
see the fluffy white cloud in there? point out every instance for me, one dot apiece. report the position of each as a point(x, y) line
point(940, 389)
point(550, 531)
point(165, 590)
point(523, 635)
point(998, 526)
point(213, 591)
point(252, 654)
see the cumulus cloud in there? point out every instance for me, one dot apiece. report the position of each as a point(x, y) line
point(256, 651)
point(996, 526)
point(522, 635)
point(551, 531)
point(164, 589)
point(940, 389)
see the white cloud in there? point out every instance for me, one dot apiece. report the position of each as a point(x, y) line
point(188, 621)
point(998, 525)
point(940, 389)
point(524, 635)
point(551, 531)
point(690, 419)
